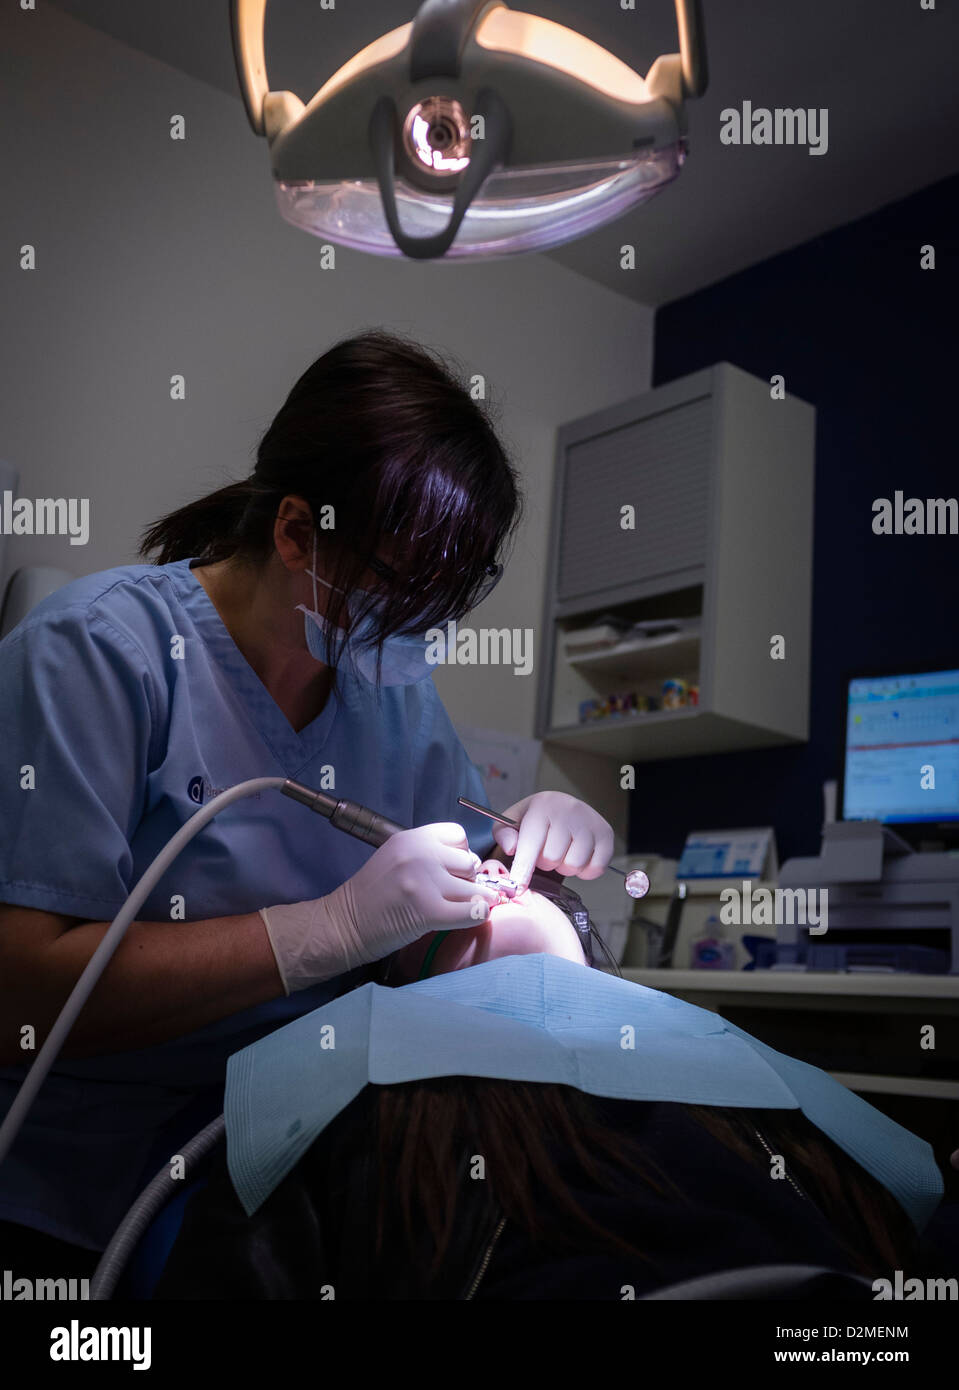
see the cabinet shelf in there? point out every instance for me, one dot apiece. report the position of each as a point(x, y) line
point(669, 733)
point(638, 661)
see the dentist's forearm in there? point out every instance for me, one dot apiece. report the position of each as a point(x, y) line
point(164, 979)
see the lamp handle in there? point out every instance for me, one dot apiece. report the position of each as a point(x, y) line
point(493, 150)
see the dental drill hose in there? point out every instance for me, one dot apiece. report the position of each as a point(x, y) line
point(347, 816)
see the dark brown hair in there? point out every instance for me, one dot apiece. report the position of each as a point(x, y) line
point(424, 1128)
point(379, 430)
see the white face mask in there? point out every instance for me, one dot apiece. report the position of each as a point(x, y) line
point(403, 660)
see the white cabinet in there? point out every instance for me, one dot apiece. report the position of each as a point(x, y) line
point(719, 475)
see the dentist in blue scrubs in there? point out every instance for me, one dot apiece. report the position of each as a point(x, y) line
point(278, 632)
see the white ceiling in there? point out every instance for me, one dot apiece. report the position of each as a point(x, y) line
point(884, 69)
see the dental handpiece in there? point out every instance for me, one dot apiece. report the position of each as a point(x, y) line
point(500, 883)
point(349, 816)
point(364, 824)
point(636, 884)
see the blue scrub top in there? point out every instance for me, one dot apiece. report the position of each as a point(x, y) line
point(126, 694)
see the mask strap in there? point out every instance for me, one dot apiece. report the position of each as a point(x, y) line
point(316, 579)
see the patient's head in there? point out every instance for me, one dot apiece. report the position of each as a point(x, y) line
point(523, 925)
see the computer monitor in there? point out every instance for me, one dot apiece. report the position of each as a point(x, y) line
point(900, 756)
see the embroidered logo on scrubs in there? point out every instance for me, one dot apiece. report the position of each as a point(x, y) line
point(200, 790)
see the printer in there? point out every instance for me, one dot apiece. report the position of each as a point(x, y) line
point(890, 907)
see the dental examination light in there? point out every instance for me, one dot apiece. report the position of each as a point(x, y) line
point(474, 130)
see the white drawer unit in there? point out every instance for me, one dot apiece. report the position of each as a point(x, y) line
point(718, 475)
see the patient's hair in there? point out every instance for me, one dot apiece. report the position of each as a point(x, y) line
point(425, 1127)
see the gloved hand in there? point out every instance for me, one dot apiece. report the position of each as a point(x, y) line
point(419, 880)
point(555, 832)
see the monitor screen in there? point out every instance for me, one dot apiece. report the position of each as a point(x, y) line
point(901, 755)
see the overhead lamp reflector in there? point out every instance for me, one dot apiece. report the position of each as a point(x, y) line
point(475, 130)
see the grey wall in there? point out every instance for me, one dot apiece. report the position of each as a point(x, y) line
point(157, 257)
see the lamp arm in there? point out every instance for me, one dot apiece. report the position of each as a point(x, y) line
point(247, 22)
point(692, 46)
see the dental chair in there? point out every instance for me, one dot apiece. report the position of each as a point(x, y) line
point(30, 584)
point(132, 1263)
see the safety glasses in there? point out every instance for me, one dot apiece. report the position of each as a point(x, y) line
point(492, 577)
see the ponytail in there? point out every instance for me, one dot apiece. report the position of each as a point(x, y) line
point(210, 529)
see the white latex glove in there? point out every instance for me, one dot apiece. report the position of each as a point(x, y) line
point(419, 881)
point(555, 832)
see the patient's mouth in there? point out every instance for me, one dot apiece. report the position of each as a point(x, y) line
point(505, 888)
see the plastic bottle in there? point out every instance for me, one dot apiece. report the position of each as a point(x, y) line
point(712, 951)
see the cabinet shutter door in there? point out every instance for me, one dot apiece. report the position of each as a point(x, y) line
point(659, 465)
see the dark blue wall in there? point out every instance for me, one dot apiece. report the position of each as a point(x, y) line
point(865, 335)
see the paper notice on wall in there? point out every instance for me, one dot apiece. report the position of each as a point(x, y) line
point(506, 763)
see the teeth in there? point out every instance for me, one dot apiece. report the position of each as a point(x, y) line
point(505, 887)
